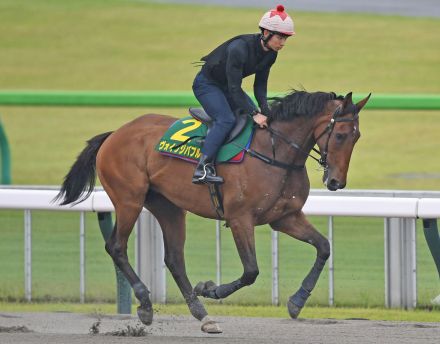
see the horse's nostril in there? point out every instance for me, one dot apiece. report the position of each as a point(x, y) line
point(334, 185)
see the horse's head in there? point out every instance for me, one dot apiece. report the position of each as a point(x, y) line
point(336, 133)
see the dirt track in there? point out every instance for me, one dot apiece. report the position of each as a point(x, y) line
point(72, 328)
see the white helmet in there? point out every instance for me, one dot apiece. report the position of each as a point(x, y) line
point(277, 21)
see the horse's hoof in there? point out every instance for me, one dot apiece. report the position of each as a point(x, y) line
point(202, 287)
point(198, 289)
point(293, 309)
point(210, 326)
point(210, 285)
point(196, 308)
point(145, 314)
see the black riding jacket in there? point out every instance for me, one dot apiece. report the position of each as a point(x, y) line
point(236, 59)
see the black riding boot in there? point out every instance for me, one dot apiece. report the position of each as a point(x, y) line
point(205, 172)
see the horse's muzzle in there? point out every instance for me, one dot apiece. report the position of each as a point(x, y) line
point(334, 185)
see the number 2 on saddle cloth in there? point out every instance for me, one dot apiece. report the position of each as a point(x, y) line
point(184, 139)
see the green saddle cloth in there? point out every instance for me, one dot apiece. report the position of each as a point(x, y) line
point(183, 140)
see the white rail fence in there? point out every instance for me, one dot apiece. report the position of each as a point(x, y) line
point(400, 209)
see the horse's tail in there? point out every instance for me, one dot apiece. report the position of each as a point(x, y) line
point(79, 182)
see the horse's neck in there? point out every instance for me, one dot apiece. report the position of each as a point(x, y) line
point(299, 132)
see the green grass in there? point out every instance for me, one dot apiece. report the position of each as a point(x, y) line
point(124, 45)
point(133, 45)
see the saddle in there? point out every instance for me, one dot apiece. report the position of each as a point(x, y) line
point(200, 115)
point(184, 138)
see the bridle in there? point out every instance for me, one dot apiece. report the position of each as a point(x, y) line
point(329, 129)
point(322, 160)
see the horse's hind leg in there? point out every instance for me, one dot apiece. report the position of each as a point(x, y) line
point(299, 228)
point(116, 246)
point(122, 172)
point(172, 222)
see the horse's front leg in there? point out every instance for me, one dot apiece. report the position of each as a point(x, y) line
point(243, 233)
point(298, 227)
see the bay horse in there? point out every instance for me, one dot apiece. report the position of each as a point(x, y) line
point(270, 186)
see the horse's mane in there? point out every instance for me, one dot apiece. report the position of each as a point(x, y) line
point(299, 103)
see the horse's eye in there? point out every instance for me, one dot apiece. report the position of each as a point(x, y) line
point(340, 137)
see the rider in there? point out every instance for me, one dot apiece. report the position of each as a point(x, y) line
point(218, 85)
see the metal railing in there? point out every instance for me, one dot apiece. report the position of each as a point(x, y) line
point(400, 209)
point(184, 99)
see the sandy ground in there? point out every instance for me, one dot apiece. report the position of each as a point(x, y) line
point(70, 328)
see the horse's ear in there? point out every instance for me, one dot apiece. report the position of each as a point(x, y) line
point(347, 100)
point(362, 103)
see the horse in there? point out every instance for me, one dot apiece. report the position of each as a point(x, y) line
point(270, 186)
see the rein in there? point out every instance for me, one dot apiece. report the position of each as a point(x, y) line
point(322, 160)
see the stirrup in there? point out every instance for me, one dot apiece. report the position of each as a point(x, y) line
point(209, 176)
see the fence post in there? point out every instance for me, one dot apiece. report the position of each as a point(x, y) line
point(122, 285)
point(218, 251)
point(400, 263)
point(82, 257)
point(150, 256)
point(275, 277)
point(331, 268)
point(5, 157)
point(28, 255)
point(433, 240)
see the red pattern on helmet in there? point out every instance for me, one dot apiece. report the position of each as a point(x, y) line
point(279, 11)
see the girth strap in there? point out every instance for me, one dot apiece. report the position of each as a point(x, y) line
point(217, 200)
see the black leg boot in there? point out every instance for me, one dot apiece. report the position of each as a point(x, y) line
point(205, 172)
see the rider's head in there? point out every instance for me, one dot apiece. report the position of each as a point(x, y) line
point(276, 26)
